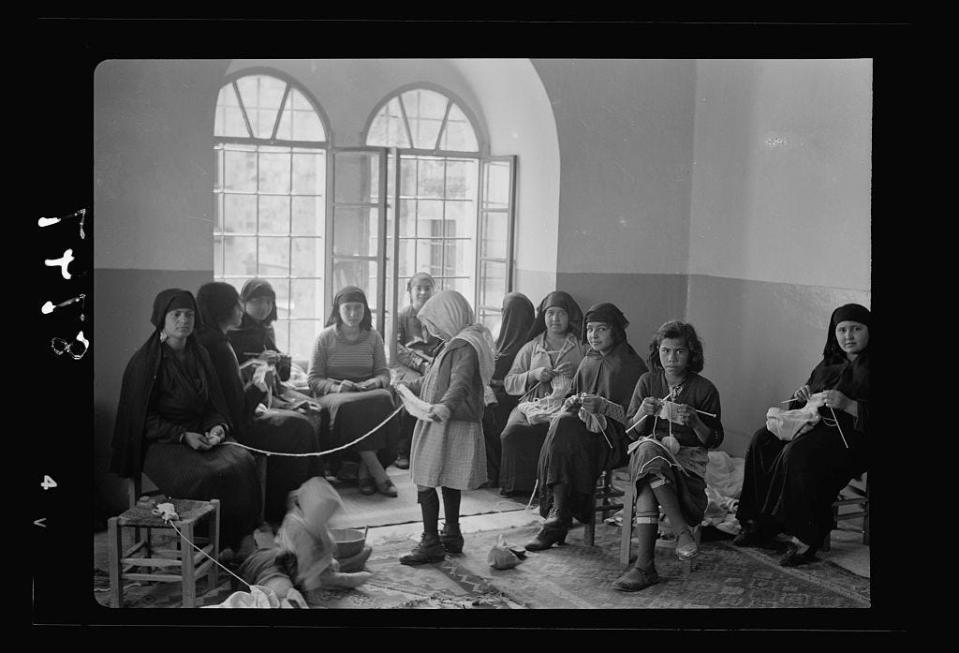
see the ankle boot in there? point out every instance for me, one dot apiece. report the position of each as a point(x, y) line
point(636, 579)
point(452, 538)
point(549, 535)
point(430, 549)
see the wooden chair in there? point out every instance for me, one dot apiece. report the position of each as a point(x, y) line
point(851, 495)
point(145, 562)
point(606, 494)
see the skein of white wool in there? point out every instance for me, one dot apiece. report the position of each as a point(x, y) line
point(671, 443)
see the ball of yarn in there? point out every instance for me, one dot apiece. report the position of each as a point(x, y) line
point(671, 443)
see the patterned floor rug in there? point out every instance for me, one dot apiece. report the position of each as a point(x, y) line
point(572, 576)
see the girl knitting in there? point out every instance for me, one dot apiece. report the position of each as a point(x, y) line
point(448, 452)
point(676, 415)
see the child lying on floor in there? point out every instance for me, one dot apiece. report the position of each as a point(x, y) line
point(300, 557)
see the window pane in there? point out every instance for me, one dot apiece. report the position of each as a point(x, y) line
point(239, 256)
point(261, 96)
point(274, 257)
point(461, 254)
point(218, 184)
point(239, 170)
point(307, 257)
point(407, 258)
point(217, 255)
point(361, 274)
point(239, 214)
point(308, 215)
point(354, 231)
point(429, 215)
point(282, 330)
point(429, 257)
point(308, 298)
point(274, 214)
point(494, 228)
point(274, 172)
point(462, 285)
point(304, 334)
point(458, 135)
point(307, 125)
point(430, 178)
point(407, 217)
point(460, 179)
point(282, 288)
point(492, 283)
point(309, 173)
point(460, 219)
point(229, 120)
point(387, 129)
point(357, 177)
point(497, 185)
point(408, 176)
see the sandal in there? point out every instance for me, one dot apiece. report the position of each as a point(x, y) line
point(689, 550)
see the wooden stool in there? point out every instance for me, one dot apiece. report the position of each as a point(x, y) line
point(626, 535)
point(182, 564)
point(605, 492)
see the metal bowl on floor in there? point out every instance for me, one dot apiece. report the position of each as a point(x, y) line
point(349, 541)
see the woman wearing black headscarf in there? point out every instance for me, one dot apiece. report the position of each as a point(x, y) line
point(790, 486)
point(272, 429)
point(348, 372)
point(590, 435)
point(517, 318)
point(540, 376)
point(172, 420)
point(255, 336)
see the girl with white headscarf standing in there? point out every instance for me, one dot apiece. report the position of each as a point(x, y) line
point(448, 452)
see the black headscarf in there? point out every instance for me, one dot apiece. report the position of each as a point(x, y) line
point(557, 299)
point(518, 315)
point(346, 295)
point(836, 371)
point(613, 375)
point(138, 380)
point(259, 288)
point(216, 301)
point(832, 352)
point(611, 315)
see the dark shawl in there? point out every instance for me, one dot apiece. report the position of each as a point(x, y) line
point(139, 379)
point(241, 399)
point(518, 315)
point(252, 338)
point(557, 299)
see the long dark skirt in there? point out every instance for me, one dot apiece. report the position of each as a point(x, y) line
point(575, 457)
point(225, 472)
point(494, 420)
point(790, 486)
point(351, 414)
point(647, 463)
point(521, 443)
point(284, 431)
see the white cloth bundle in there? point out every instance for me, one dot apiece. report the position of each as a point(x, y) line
point(787, 424)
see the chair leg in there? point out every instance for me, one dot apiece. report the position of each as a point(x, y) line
point(261, 474)
point(589, 536)
point(865, 518)
point(115, 541)
point(186, 559)
point(215, 541)
point(626, 536)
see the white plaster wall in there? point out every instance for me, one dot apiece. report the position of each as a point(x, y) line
point(782, 161)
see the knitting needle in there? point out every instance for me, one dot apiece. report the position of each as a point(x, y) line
point(838, 427)
point(606, 437)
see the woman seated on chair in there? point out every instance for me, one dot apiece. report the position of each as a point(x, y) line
point(677, 416)
point(349, 374)
point(256, 424)
point(517, 316)
point(415, 349)
point(173, 422)
point(588, 436)
point(255, 337)
point(540, 376)
point(790, 486)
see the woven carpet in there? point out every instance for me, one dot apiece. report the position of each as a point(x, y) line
point(572, 576)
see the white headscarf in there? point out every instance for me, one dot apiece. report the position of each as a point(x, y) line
point(450, 316)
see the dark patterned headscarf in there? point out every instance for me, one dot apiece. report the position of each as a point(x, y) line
point(557, 299)
point(259, 288)
point(518, 315)
point(346, 295)
point(170, 300)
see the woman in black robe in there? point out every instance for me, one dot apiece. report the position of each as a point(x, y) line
point(589, 436)
point(282, 431)
point(790, 486)
point(172, 421)
point(518, 315)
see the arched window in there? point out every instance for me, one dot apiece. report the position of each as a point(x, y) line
point(455, 203)
point(271, 146)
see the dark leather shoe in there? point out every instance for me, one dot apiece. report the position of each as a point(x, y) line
point(758, 539)
point(549, 535)
point(452, 538)
point(636, 579)
point(792, 557)
point(367, 486)
point(430, 549)
point(403, 462)
point(387, 488)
